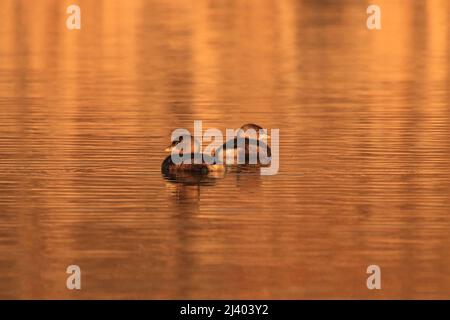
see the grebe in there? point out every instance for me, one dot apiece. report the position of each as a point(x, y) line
point(208, 164)
point(250, 142)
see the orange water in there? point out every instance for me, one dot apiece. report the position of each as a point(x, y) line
point(364, 149)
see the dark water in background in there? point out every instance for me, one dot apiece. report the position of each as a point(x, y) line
point(364, 149)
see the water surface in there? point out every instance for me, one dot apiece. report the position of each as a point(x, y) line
point(364, 149)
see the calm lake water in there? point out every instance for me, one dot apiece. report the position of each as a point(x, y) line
point(364, 120)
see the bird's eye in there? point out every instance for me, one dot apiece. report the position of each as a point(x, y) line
point(175, 142)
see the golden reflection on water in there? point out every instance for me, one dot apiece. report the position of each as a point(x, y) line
point(364, 165)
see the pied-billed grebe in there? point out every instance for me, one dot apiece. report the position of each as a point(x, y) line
point(248, 147)
point(188, 142)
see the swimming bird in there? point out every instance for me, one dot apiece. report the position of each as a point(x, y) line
point(249, 146)
point(207, 164)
